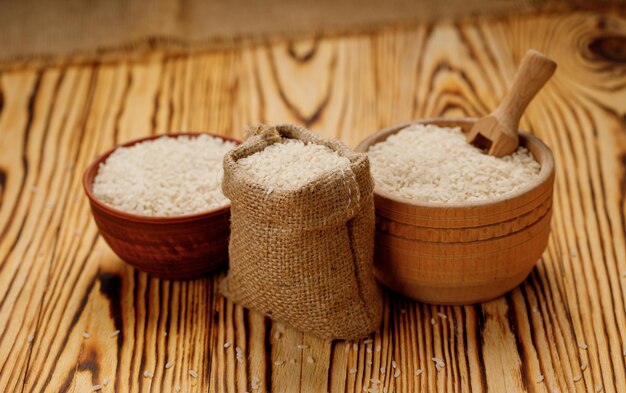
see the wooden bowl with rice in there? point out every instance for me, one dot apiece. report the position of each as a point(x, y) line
point(174, 247)
point(462, 252)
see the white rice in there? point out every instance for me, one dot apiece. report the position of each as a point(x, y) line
point(291, 164)
point(168, 176)
point(426, 163)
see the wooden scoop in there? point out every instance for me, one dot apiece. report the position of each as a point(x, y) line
point(497, 131)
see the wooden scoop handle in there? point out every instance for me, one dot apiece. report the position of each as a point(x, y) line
point(533, 72)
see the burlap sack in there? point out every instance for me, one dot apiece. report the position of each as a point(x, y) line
point(304, 257)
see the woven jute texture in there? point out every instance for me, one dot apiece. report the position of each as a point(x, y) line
point(304, 256)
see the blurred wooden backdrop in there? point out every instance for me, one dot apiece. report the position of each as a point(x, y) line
point(53, 30)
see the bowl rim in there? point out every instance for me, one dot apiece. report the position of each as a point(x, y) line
point(544, 175)
point(91, 171)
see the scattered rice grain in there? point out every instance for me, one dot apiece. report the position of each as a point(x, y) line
point(577, 378)
point(397, 373)
point(310, 359)
point(419, 372)
point(394, 364)
point(148, 374)
point(368, 341)
point(302, 346)
point(177, 387)
point(353, 371)
point(226, 344)
point(432, 321)
point(115, 333)
point(540, 379)
point(279, 362)
point(105, 381)
point(442, 315)
point(598, 387)
point(86, 335)
point(169, 365)
point(193, 373)
point(31, 338)
point(583, 366)
point(582, 345)
point(95, 388)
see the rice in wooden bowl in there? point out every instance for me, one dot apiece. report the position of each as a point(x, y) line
point(444, 250)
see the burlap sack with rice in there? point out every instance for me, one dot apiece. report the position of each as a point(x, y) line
point(304, 256)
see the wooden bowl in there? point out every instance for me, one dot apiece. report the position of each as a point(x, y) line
point(177, 247)
point(462, 253)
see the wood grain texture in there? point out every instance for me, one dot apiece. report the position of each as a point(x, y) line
point(58, 278)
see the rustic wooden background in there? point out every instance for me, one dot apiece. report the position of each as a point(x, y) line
point(64, 294)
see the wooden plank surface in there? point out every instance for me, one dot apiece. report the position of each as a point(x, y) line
point(64, 294)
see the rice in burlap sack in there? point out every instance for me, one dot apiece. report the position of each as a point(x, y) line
point(304, 256)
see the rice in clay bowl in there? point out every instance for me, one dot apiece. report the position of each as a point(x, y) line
point(173, 244)
point(462, 252)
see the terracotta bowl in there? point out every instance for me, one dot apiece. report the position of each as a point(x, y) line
point(177, 247)
point(462, 253)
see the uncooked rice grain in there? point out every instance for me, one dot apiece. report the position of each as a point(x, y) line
point(193, 373)
point(169, 364)
point(291, 164)
point(168, 176)
point(426, 163)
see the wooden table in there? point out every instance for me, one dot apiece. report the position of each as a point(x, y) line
point(63, 293)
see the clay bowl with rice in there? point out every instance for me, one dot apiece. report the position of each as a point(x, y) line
point(461, 252)
point(167, 239)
